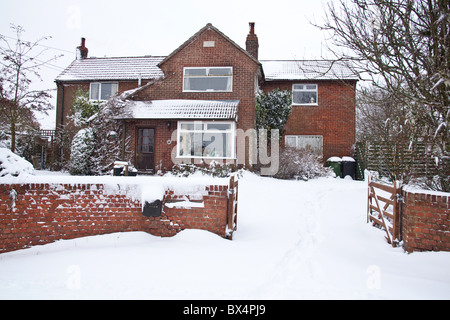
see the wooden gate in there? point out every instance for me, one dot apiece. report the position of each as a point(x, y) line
point(232, 207)
point(383, 208)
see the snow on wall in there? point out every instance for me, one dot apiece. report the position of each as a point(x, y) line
point(40, 213)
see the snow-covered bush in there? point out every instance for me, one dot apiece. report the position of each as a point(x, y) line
point(95, 147)
point(82, 160)
point(11, 165)
point(83, 108)
point(304, 164)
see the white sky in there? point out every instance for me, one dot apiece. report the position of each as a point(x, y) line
point(134, 27)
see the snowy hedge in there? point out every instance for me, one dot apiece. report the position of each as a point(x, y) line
point(11, 165)
point(302, 164)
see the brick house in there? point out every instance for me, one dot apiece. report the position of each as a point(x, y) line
point(199, 102)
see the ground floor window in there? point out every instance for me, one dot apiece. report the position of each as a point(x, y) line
point(206, 139)
point(301, 141)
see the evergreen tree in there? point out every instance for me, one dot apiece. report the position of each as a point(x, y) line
point(273, 109)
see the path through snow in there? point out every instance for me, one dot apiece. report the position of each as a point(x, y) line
point(295, 240)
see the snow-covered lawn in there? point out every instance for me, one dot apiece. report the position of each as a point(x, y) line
point(295, 240)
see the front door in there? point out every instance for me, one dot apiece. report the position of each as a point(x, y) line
point(145, 151)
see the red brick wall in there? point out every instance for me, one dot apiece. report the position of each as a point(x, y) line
point(41, 213)
point(333, 118)
point(425, 222)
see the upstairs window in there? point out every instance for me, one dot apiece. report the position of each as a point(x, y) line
point(204, 79)
point(101, 91)
point(304, 94)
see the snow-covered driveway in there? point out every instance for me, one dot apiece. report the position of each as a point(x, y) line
point(295, 240)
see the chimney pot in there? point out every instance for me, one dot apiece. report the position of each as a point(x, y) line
point(252, 44)
point(82, 51)
point(252, 27)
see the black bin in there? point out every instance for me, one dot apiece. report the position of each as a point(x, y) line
point(118, 171)
point(348, 167)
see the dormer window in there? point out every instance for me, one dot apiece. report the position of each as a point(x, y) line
point(208, 79)
point(102, 91)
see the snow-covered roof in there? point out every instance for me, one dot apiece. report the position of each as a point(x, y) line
point(180, 109)
point(306, 70)
point(147, 67)
point(123, 68)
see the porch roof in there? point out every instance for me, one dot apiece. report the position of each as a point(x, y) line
point(180, 109)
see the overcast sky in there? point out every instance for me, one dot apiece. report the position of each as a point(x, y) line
point(115, 28)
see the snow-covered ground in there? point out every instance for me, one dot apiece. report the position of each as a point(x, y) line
point(295, 240)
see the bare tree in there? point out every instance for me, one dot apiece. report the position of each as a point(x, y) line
point(403, 48)
point(19, 63)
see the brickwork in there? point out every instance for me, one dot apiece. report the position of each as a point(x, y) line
point(37, 214)
point(194, 54)
point(333, 117)
point(425, 222)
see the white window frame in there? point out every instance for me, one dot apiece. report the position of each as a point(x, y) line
point(100, 90)
point(206, 76)
point(202, 127)
point(304, 89)
point(299, 144)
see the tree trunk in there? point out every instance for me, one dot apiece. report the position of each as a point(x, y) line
point(13, 137)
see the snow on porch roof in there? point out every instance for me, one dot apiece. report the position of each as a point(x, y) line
point(180, 109)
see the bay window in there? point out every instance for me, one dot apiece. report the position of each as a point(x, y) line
point(199, 139)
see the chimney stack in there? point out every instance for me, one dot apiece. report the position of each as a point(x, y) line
point(251, 43)
point(82, 51)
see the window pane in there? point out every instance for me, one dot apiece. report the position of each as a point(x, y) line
point(187, 126)
point(311, 87)
point(198, 144)
point(304, 97)
point(217, 145)
point(195, 72)
point(94, 91)
point(146, 140)
point(298, 87)
point(220, 72)
point(106, 91)
point(208, 83)
point(315, 142)
point(291, 142)
point(186, 147)
point(219, 126)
